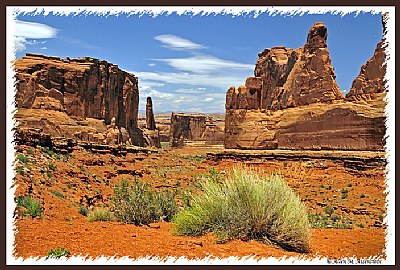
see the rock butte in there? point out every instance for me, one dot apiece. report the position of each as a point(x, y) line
point(86, 99)
point(188, 129)
point(293, 102)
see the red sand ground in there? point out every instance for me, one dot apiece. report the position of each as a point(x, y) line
point(87, 178)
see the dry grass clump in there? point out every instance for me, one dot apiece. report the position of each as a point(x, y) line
point(248, 205)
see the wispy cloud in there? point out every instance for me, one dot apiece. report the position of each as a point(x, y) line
point(25, 31)
point(196, 83)
point(199, 90)
point(205, 64)
point(177, 43)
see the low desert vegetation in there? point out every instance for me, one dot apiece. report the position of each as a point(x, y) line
point(57, 253)
point(247, 205)
point(100, 214)
point(136, 203)
point(29, 206)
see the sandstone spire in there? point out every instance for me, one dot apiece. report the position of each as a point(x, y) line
point(150, 122)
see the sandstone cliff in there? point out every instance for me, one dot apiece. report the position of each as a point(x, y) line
point(293, 102)
point(81, 88)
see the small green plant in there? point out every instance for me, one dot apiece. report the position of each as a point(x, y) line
point(345, 193)
point(362, 196)
point(247, 205)
point(318, 221)
point(22, 158)
point(52, 167)
point(57, 253)
point(135, 203)
point(329, 210)
point(285, 164)
point(32, 206)
point(29, 152)
point(57, 194)
point(48, 151)
point(100, 214)
point(349, 185)
point(83, 210)
point(20, 170)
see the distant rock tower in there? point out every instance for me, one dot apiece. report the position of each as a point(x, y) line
point(150, 122)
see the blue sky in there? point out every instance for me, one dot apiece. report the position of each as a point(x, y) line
point(187, 63)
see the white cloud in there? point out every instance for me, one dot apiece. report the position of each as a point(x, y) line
point(152, 65)
point(205, 64)
point(43, 48)
point(24, 31)
point(177, 43)
point(213, 80)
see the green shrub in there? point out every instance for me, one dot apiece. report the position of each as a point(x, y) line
point(57, 253)
point(22, 158)
point(83, 210)
point(100, 214)
point(329, 210)
point(52, 167)
point(32, 206)
point(247, 205)
point(135, 203)
point(58, 194)
point(20, 170)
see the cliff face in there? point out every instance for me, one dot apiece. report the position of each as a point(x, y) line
point(82, 87)
point(293, 102)
point(186, 127)
point(371, 78)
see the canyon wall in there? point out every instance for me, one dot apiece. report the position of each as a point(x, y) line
point(293, 102)
point(82, 89)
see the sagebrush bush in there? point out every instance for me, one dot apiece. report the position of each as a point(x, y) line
point(57, 253)
point(247, 205)
point(83, 210)
point(135, 203)
point(100, 214)
point(32, 206)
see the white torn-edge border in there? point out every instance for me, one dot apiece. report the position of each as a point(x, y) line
point(105, 11)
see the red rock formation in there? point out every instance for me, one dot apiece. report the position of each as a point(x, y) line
point(82, 87)
point(199, 130)
point(185, 127)
point(295, 103)
point(371, 77)
point(287, 78)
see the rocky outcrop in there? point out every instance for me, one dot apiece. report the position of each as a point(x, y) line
point(286, 78)
point(293, 102)
point(81, 87)
point(189, 128)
